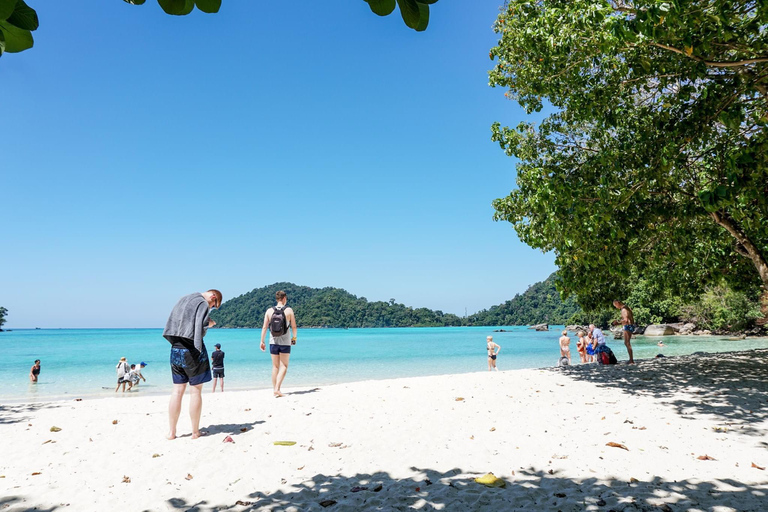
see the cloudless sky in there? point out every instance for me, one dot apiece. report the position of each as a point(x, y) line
point(146, 156)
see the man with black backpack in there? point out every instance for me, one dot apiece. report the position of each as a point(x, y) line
point(278, 320)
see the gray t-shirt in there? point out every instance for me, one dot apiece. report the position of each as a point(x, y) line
point(285, 339)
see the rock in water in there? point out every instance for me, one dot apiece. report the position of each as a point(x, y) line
point(659, 330)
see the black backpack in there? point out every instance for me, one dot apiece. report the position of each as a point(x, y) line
point(278, 324)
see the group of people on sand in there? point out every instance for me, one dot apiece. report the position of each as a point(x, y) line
point(128, 374)
point(185, 330)
point(591, 343)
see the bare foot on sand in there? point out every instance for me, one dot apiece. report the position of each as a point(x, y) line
point(171, 436)
point(278, 394)
point(197, 434)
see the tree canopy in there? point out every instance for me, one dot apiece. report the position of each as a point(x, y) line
point(653, 162)
point(3, 312)
point(18, 20)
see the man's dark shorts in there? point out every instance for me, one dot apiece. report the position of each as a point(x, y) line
point(279, 349)
point(188, 365)
point(218, 373)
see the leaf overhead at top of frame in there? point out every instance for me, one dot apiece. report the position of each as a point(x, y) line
point(381, 7)
point(16, 39)
point(208, 6)
point(24, 17)
point(177, 7)
point(135, 2)
point(7, 7)
point(415, 14)
point(2, 49)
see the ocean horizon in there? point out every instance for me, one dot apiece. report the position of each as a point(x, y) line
point(80, 363)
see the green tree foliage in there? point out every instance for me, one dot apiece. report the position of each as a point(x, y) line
point(327, 307)
point(3, 313)
point(722, 309)
point(655, 160)
point(541, 303)
point(18, 20)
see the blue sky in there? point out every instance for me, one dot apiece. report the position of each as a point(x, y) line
point(146, 156)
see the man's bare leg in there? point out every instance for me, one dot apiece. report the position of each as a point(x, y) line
point(627, 336)
point(214, 384)
point(281, 372)
point(195, 408)
point(222, 384)
point(174, 409)
point(275, 371)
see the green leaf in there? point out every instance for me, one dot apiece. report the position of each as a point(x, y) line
point(24, 17)
point(6, 8)
point(2, 42)
point(415, 15)
point(381, 7)
point(16, 39)
point(135, 2)
point(209, 6)
point(177, 7)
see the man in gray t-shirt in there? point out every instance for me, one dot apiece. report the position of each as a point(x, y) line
point(279, 319)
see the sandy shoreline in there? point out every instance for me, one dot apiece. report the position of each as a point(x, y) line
point(409, 444)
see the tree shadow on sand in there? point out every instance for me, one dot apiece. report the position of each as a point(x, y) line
point(730, 386)
point(17, 503)
point(526, 490)
point(19, 413)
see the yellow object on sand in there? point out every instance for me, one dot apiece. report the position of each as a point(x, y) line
point(284, 443)
point(491, 480)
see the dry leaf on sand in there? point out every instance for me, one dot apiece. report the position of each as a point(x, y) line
point(705, 457)
point(126, 479)
point(617, 445)
point(189, 476)
point(114, 422)
point(758, 467)
point(459, 399)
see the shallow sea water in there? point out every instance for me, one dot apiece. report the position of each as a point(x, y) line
point(80, 363)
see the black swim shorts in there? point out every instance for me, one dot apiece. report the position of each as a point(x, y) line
point(218, 373)
point(279, 349)
point(190, 366)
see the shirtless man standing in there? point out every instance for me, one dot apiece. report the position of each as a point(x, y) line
point(565, 346)
point(628, 323)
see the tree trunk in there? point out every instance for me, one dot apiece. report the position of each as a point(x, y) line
point(752, 252)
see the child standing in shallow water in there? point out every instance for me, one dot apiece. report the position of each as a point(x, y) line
point(565, 346)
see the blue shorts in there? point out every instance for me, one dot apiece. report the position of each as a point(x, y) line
point(188, 369)
point(218, 373)
point(279, 349)
point(630, 328)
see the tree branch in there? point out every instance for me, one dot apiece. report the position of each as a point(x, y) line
point(730, 64)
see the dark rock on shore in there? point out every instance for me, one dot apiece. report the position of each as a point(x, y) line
point(540, 327)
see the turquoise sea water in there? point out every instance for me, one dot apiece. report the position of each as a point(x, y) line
point(81, 362)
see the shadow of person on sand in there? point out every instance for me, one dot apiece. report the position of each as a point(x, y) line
point(730, 386)
point(527, 489)
point(304, 392)
point(233, 429)
point(19, 413)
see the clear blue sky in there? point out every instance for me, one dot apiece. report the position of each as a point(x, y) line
point(146, 156)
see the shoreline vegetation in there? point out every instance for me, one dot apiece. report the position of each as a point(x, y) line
point(720, 311)
point(672, 434)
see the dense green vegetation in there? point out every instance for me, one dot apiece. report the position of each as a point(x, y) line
point(334, 307)
point(654, 161)
point(327, 307)
point(3, 312)
point(541, 303)
point(18, 20)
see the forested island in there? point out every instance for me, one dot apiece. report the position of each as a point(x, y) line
point(335, 307)
point(719, 308)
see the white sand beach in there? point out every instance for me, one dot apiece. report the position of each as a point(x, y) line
point(692, 432)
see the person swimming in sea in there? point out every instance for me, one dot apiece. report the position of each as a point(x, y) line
point(34, 371)
point(493, 350)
